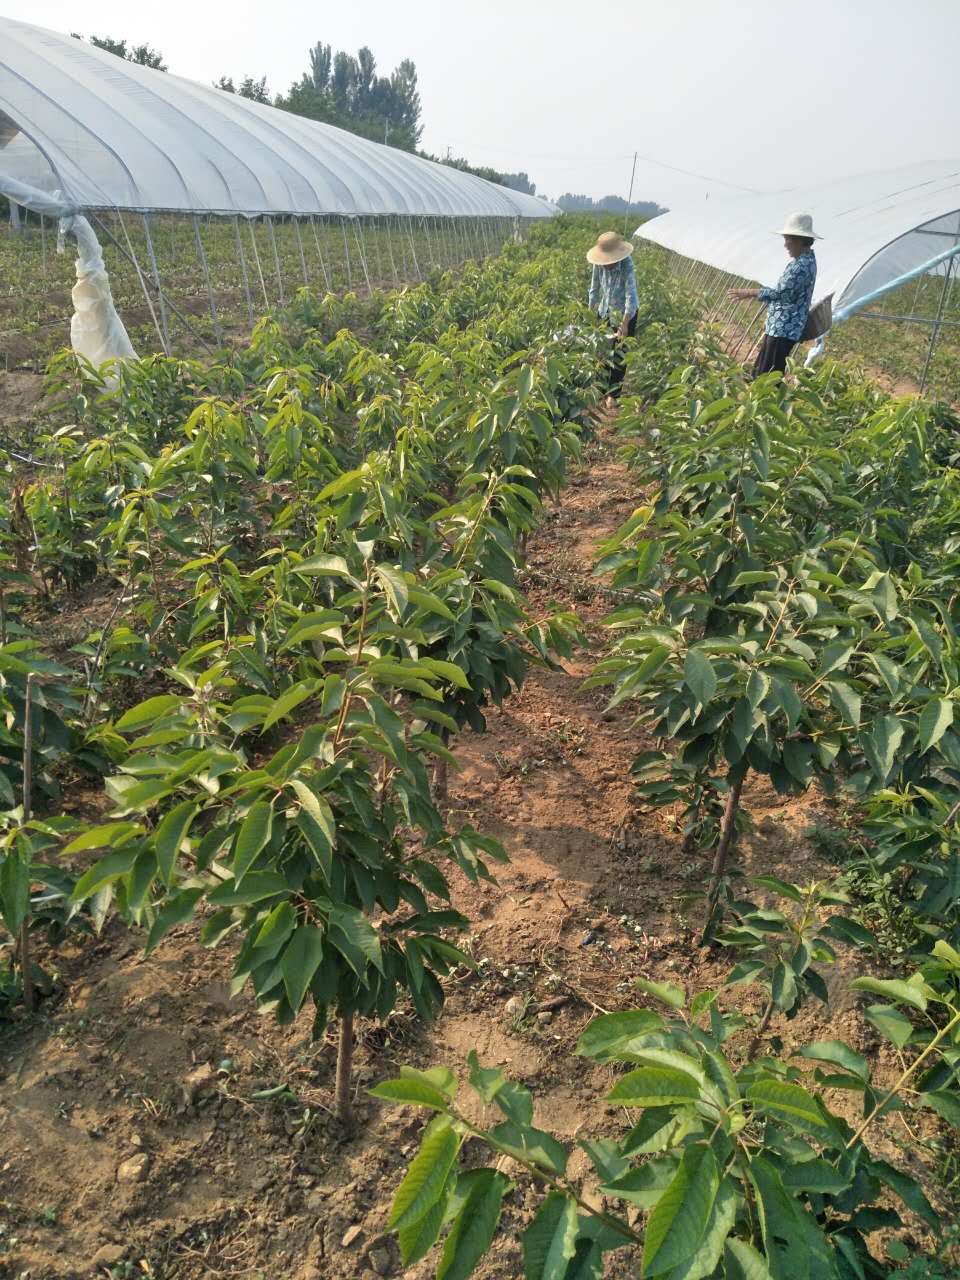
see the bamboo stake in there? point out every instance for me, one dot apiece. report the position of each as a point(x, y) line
point(26, 963)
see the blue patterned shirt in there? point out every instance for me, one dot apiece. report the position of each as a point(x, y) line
point(789, 302)
point(614, 289)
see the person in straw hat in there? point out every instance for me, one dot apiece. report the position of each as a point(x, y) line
point(613, 293)
point(788, 305)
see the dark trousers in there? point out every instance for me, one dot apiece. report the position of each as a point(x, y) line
point(618, 364)
point(773, 355)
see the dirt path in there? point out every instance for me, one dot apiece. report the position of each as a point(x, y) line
point(131, 1138)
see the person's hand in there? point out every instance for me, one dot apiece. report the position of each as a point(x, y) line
point(624, 326)
point(741, 295)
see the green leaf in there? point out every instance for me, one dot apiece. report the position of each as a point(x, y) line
point(551, 1239)
point(418, 1239)
point(699, 676)
point(301, 960)
point(108, 869)
point(257, 885)
point(532, 1145)
point(654, 1086)
point(783, 987)
point(909, 1192)
point(427, 1175)
point(846, 701)
point(492, 1085)
point(945, 1104)
point(791, 1101)
point(841, 1055)
point(890, 1022)
point(352, 928)
point(415, 1092)
point(170, 835)
point(14, 891)
point(665, 992)
point(613, 1034)
point(894, 989)
point(880, 746)
point(289, 700)
point(679, 1219)
point(177, 908)
point(474, 1226)
point(148, 712)
point(703, 1261)
point(253, 836)
point(743, 1262)
point(104, 836)
point(935, 719)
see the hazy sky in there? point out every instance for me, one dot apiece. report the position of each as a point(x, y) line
point(753, 93)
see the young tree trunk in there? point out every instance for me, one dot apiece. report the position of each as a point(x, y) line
point(26, 962)
point(727, 828)
point(342, 1101)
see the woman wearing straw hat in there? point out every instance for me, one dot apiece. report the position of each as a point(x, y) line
point(613, 292)
point(788, 305)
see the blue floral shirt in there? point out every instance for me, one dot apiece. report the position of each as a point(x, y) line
point(789, 303)
point(614, 289)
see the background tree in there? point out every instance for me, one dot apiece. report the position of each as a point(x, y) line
point(255, 90)
point(142, 54)
point(571, 203)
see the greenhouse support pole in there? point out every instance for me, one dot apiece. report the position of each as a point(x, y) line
point(404, 264)
point(276, 260)
point(393, 261)
point(215, 319)
point(133, 259)
point(749, 328)
point(376, 247)
point(935, 333)
point(156, 280)
point(136, 266)
point(323, 265)
point(346, 251)
point(243, 272)
point(851, 309)
point(256, 257)
point(303, 259)
point(43, 243)
point(358, 236)
point(413, 249)
point(319, 254)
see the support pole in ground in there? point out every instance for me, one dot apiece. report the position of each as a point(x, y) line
point(303, 259)
point(165, 335)
point(43, 244)
point(626, 218)
point(358, 235)
point(26, 960)
point(244, 274)
point(201, 254)
point(131, 255)
point(346, 252)
point(376, 248)
point(256, 258)
point(393, 261)
point(323, 265)
point(276, 260)
point(935, 332)
point(749, 329)
point(413, 249)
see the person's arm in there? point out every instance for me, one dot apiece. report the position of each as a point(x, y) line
point(789, 288)
point(593, 297)
point(775, 294)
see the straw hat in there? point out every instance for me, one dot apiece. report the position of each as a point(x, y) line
point(610, 248)
point(798, 224)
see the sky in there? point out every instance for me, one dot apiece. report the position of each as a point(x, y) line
point(716, 96)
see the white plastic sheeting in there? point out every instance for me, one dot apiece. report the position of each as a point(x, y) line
point(112, 135)
point(96, 331)
point(876, 227)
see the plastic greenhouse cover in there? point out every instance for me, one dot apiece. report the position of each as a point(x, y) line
point(876, 227)
point(90, 131)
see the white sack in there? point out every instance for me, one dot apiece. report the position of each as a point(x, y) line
point(96, 331)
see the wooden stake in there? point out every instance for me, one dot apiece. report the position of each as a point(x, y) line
point(26, 964)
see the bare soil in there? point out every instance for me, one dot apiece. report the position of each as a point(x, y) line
point(132, 1139)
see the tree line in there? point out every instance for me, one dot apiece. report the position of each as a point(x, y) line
point(341, 89)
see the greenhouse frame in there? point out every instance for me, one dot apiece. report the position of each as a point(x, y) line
point(146, 161)
point(890, 237)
